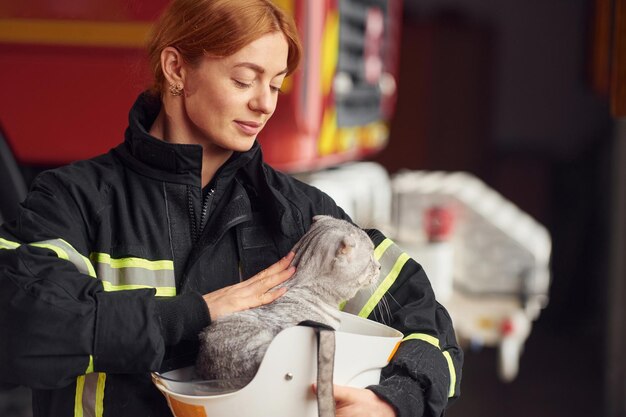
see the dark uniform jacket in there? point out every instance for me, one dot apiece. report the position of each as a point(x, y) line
point(101, 276)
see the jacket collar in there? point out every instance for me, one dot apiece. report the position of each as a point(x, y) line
point(179, 163)
point(158, 154)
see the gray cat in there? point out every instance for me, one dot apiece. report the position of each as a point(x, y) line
point(333, 260)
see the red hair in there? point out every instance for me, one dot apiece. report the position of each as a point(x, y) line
point(218, 28)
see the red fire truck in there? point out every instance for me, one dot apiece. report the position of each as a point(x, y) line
point(70, 70)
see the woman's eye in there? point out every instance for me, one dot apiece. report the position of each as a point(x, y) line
point(275, 89)
point(241, 84)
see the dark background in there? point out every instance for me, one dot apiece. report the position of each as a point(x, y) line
point(502, 89)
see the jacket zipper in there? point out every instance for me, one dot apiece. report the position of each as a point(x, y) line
point(206, 207)
point(192, 216)
point(196, 229)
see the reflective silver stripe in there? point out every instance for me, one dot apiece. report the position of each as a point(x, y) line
point(89, 400)
point(134, 273)
point(66, 251)
point(62, 249)
point(115, 274)
point(388, 254)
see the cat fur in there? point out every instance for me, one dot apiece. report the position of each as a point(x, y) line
point(333, 260)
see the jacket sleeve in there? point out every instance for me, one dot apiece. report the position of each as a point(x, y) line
point(56, 320)
point(424, 375)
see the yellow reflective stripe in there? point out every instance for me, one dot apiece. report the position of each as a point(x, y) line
point(160, 291)
point(60, 252)
point(135, 273)
point(90, 269)
point(66, 251)
point(384, 286)
point(62, 249)
point(78, 400)
point(102, 377)
point(435, 342)
point(425, 337)
point(133, 262)
point(90, 366)
point(381, 248)
point(387, 253)
point(7, 244)
point(452, 373)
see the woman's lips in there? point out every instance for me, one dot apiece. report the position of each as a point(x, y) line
point(249, 128)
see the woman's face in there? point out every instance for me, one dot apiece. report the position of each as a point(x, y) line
point(227, 101)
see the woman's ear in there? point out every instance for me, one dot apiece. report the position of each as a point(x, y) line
point(173, 68)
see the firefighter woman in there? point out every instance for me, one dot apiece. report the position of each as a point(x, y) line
point(116, 263)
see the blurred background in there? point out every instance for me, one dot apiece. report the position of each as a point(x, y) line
point(521, 102)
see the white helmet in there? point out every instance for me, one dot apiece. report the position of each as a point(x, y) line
point(282, 385)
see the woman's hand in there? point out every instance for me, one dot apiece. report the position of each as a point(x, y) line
point(252, 292)
point(359, 402)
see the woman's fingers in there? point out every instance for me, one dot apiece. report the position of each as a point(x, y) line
point(357, 402)
point(270, 281)
point(254, 292)
point(269, 296)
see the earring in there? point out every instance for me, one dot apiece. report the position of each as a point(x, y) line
point(176, 89)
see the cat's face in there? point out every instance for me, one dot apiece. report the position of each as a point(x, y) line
point(342, 253)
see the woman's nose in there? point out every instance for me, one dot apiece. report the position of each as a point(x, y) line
point(263, 101)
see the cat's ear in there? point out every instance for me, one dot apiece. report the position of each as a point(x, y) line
point(347, 244)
